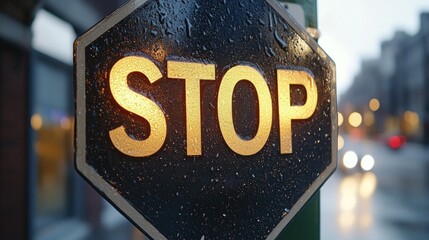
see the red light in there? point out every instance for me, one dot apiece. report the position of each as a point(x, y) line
point(396, 142)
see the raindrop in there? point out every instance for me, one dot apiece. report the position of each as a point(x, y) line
point(280, 41)
point(275, 20)
point(269, 52)
point(162, 16)
point(270, 20)
point(285, 26)
point(188, 27)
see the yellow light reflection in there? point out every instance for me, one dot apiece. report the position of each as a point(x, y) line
point(349, 186)
point(347, 220)
point(340, 142)
point(368, 185)
point(355, 204)
point(374, 104)
point(355, 119)
point(368, 119)
point(36, 122)
point(340, 119)
point(365, 220)
point(348, 202)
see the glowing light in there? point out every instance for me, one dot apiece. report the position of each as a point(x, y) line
point(340, 119)
point(348, 202)
point(367, 162)
point(368, 119)
point(340, 142)
point(347, 220)
point(355, 119)
point(374, 104)
point(350, 159)
point(396, 142)
point(36, 122)
point(412, 118)
point(368, 185)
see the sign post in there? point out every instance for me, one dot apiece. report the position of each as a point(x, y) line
point(204, 120)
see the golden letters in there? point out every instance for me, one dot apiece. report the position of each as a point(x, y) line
point(192, 73)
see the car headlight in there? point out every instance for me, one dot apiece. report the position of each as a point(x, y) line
point(367, 162)
point(350, 159)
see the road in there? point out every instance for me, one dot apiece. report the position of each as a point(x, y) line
point(389, 202)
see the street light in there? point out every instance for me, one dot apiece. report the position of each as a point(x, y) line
point(374, 104)
point(355, 119)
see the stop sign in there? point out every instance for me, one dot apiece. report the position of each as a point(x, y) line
point(204, 119)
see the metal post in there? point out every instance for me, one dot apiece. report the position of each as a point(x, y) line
point(306, 224)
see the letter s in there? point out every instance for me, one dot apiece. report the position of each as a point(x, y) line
point(138, 104)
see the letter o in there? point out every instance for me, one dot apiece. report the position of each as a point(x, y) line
point(226, 124)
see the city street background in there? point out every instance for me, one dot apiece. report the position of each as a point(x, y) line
point(381, 187)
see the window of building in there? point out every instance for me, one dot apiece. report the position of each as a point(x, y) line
point(51, 116)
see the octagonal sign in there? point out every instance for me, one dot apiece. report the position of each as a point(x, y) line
point(204, 119)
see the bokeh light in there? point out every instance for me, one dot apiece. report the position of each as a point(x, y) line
point(355, 119)
point(340, 142)
point(36, 122)
point(340, 119)
point(350, 159)
point(367, 162)
point(374, 104)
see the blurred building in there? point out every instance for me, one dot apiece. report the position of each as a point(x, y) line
point(41, 195)
point(399, 81)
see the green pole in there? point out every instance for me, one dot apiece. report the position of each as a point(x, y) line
point(306, 224)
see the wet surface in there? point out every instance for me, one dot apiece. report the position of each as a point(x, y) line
point(389, 202)
point(220, 194)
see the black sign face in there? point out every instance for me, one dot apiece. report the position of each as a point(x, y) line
point(204, 119)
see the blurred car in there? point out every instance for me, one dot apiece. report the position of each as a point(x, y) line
point(350, 162)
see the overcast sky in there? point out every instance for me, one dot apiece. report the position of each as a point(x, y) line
point(352, 30)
